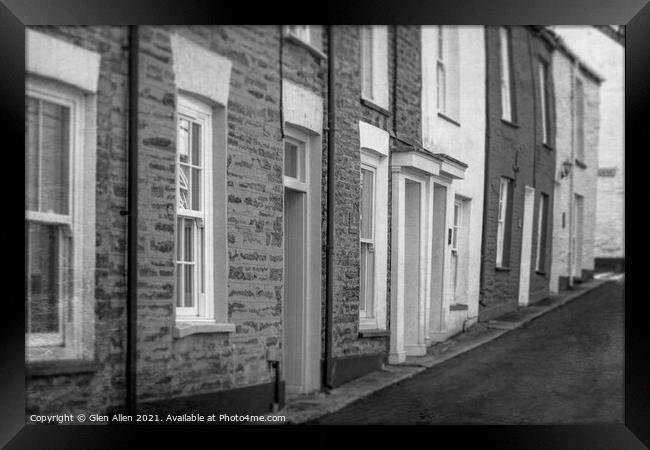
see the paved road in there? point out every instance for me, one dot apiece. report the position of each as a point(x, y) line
point(564, 367)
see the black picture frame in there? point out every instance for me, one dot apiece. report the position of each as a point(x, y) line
point(635, 14)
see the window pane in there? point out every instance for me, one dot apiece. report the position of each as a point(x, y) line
point(179, 284)
point(184, 187)
point(55, 155)
point(188, 241)
point(183, 140)
point(196, 189)
point(189, 286)
point(441, 81)
point(179, 239)
point(368, 278)
point(506, 99)
point(202, 259)
point(579, 120)
point(31, 153)
point(43, 278)
point(196, 144)
point(291, 160)
point(366, 61)
point(366, 207)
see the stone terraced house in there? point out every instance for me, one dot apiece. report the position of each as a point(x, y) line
point(221, 218)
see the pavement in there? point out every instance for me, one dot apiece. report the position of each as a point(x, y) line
point(358, 401)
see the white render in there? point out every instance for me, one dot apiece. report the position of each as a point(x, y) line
point(607, 58)
point(463, 139)
point(580, 179)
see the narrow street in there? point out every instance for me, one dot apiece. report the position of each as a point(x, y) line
point(564, 367)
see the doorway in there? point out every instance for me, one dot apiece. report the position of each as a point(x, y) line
point(412, 266)
point(576, 240)
point(526, 246)
point(302, 264)
point(294, 288)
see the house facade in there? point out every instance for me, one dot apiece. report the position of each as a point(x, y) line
point(520, 166)
point(574, 209)
point(604, 49)
point(221, 218)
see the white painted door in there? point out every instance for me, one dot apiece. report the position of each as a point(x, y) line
point(577, 236)
point(294, 289)
point(526, 246)
point(412, 266)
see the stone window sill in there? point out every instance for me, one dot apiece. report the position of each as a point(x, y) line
point(372, 105)
point(373, 333)
point(60, 367)
point(458, 307)
point(448, 119)
point(313, 50)
point(580, 164)
point(186, 328)
point(502, 269)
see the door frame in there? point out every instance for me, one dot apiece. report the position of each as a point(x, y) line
point(526, 262)
point(399, 349)
point(310, 329)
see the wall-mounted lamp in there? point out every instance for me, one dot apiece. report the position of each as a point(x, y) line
point(566, 169)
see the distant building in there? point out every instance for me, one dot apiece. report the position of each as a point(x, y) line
point(574, 210)
point(603, 48)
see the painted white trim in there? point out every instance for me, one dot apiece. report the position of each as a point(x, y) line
point(302, 107)
point(373, 138)
point(57, 59)
point(416, 161)
point(379, 67)
point(380, 222)
point(200, 71)
point(79, 331)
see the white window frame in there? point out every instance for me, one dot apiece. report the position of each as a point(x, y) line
point(543, 98)
point(507, 96)
point(376, 37)
point(203, 308)
point(504, 187)
point(541, 211)
point(370, 166)
point(580, 119)
point(302, 162)
point(441, 72)
point(76, 314)
point(456, 225)
point(307, 35)
point(374, 156)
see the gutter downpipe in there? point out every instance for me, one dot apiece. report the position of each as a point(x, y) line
point(132, 233)
point(331, 158)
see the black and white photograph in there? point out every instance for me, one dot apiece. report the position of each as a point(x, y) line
point(324, 224)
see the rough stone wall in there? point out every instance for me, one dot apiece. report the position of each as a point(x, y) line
point(104, 388)
point(405, 102)
point(204, 363)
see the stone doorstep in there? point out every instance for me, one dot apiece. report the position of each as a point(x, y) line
point(305, 408)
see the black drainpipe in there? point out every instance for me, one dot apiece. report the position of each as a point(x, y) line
point(132, 234)
point(331, 155)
